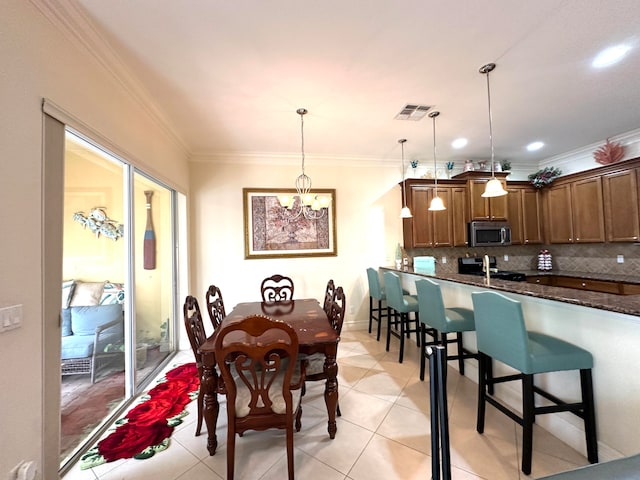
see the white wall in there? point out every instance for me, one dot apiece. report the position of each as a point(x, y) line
point(368, 229)
point(39, 62)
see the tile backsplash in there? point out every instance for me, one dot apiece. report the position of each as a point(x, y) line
point(589, 258)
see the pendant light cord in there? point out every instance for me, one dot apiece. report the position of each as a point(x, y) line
point(490, 123)
point(404, 196)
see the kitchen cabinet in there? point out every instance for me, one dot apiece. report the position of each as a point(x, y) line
point(429, 228)
point(481, 208)
point(459, 215)
point(540, 279)
point(587, 284)
point(524, 214)
point(621, 207)
point(575, 211)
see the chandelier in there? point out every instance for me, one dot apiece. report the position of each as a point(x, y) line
point(406, 211)
point(304, 202)
point(436, 202)
point(494, 186)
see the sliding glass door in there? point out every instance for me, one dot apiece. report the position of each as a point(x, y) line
point(119, 277)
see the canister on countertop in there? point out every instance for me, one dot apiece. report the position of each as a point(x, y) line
point(426, 265)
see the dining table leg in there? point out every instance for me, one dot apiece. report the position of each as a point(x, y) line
point(331, 387)
point(209, 383)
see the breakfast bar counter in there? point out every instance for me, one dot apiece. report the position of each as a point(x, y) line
point(627, 304)
point(607, 325)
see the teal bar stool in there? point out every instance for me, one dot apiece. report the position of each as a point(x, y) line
point(438, 321)
point(501, 335)
point(402, 305)
point(376, 292)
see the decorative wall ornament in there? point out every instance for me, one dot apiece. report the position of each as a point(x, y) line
point(99, 224)
point(544, 177)
point(609, 153)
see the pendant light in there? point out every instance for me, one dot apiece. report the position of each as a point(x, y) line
point(436, 202)
point(405, 212)
point(304, 202)
point(494, 187)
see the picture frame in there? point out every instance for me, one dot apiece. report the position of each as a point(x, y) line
point(271, 232)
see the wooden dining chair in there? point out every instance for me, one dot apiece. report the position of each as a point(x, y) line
point(197, 336)
point(315, 362)
point(263, 380)
point(276, 288)
point(329, 295)
point(215, 306)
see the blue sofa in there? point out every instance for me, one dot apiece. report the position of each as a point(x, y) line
point(92, 326)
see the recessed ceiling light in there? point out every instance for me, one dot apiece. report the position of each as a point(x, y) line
point(609, 56)
point(533, 146)
point(459, 143)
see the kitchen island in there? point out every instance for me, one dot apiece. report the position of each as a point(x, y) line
point(607, 325)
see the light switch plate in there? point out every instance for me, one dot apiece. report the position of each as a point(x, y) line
point(620, 258)
point(10, 318)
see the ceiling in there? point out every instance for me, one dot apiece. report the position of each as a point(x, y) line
point(228, 76)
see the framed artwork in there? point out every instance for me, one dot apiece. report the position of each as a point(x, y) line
point(272, 231)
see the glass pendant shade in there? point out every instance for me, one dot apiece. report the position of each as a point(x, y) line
point(437, 204)
point(494, 189)
point(405, 212)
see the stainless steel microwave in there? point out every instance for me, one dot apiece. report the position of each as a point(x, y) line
point(486, 234)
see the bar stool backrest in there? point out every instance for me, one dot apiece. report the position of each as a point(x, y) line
point(431, 305)
point(393, 291)
point(375, 290)
point(500, 329)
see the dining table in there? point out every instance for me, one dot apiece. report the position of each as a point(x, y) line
point(315, 335)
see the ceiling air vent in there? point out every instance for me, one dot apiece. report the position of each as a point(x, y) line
point(412, 111)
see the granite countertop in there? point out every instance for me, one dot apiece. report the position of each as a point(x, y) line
point(609, 277)
point(627, 304)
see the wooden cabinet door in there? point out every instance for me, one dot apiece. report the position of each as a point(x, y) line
point(482, 208)
point(588, 210)
point(515, 215)
point(559, 222)
point(531, 216)
point(621, 211)
point(459, 216)
point(442, 220)
point(422, 228)
point(523, 213)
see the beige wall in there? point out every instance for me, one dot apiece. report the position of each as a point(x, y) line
point(39, 62)
point(368, 228)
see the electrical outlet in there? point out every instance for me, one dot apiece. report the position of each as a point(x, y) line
point(443, 260)
point(506, 258)
point(620, 258)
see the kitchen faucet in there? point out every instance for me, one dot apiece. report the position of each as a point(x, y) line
point(486, 267)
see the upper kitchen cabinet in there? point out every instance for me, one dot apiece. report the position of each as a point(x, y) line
point(575, 211)
point(481, 208)
point(621, 208)
point(524, 214)
point(427, 229)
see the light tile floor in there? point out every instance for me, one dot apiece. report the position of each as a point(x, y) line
point(383, 432)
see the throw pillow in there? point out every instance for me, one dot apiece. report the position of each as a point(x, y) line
point(87, 293)
point(66, 322)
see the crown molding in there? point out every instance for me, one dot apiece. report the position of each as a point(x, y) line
point(69, 18)
point(582, 158)
point(272, 158)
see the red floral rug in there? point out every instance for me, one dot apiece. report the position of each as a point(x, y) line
point(146, 428)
